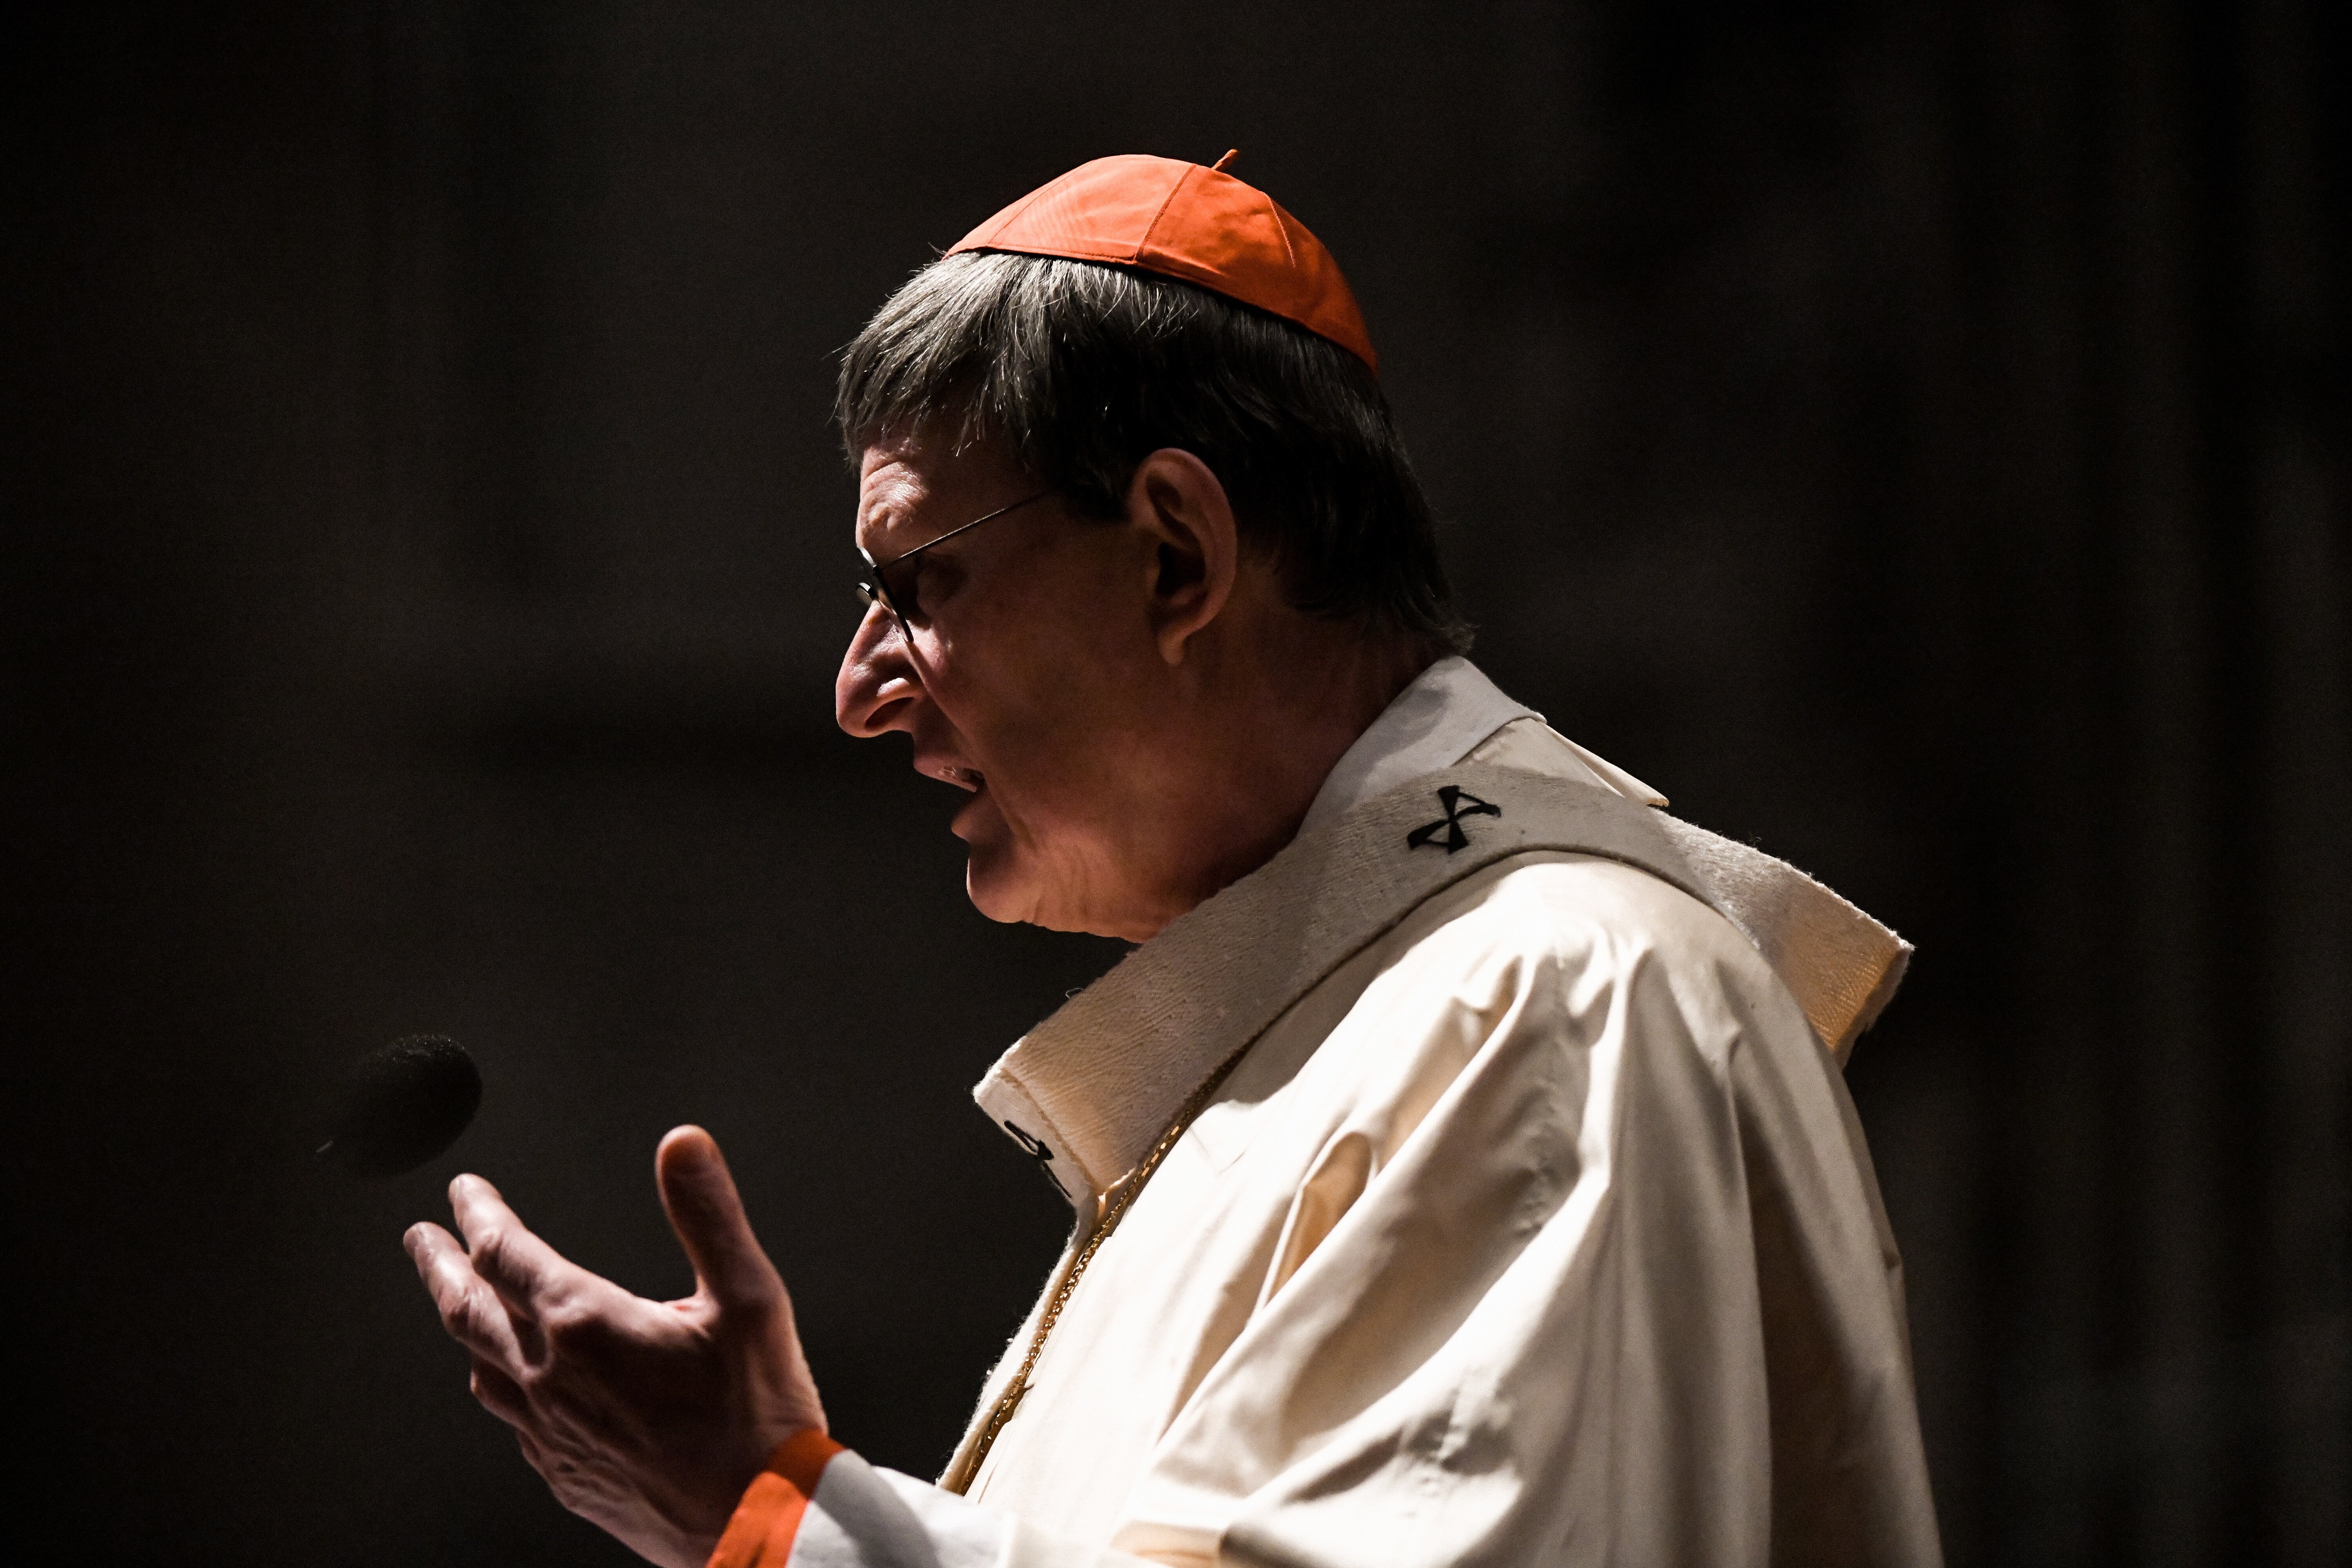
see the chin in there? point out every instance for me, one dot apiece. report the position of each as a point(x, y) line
point(1009, 882)
point(1005, 894)
point(999, 891)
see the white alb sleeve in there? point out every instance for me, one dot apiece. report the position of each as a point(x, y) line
point(864, 1516)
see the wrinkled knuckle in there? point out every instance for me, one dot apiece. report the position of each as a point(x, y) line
point(465, 1316)
point(567, 1325)
point(492, 1248)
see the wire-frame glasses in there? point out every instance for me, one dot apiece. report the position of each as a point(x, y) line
point(899, 596)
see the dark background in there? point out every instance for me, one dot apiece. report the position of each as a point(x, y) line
point(1914, 436)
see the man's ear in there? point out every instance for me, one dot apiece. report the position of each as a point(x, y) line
point(1180, 510)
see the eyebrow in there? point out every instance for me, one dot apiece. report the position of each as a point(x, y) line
point(874, 519)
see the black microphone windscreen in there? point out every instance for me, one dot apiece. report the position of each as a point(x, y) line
point(405, 1104)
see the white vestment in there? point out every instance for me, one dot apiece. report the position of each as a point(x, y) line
point(1534, 1227)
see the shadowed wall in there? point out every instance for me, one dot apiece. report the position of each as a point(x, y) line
point(1913, 437)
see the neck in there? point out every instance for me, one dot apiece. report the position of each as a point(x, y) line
point(1250, 749)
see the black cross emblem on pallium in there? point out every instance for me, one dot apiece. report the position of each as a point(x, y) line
point(1458, 803)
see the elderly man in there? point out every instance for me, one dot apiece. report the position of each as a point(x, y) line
point(1462, 1168)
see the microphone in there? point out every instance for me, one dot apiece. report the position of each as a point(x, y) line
point(404, 1104)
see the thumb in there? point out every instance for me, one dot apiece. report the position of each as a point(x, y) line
point(708, 1216)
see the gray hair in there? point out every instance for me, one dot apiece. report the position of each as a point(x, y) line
point(1077, 371)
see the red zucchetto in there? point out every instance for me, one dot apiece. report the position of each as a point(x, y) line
point(1182, 220)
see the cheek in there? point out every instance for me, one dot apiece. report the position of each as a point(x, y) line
point(1027, 705)
point(1038, 683)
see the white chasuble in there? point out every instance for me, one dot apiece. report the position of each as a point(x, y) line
point(1532, 1224)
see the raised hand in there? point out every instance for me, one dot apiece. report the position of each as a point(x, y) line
point(647, 1417)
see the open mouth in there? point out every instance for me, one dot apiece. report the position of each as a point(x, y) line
point(962, 778)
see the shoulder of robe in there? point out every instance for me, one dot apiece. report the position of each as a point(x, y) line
point(1563, 902)
point(1588, 923)
point(1842, 966)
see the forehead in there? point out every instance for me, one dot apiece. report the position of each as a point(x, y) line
point(888, 481)
point(904, 481)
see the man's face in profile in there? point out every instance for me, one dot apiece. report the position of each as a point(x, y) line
point(1012, 678)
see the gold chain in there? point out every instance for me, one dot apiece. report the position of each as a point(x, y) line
point(964, 1473)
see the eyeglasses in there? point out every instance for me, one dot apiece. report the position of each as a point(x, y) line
point(899, 597)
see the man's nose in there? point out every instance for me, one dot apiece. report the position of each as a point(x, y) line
point(876, 683)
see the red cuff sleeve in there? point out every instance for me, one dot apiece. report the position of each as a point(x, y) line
point(760, 1534)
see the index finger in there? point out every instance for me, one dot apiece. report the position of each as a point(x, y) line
point(470, 1311)
point(526, 1272)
